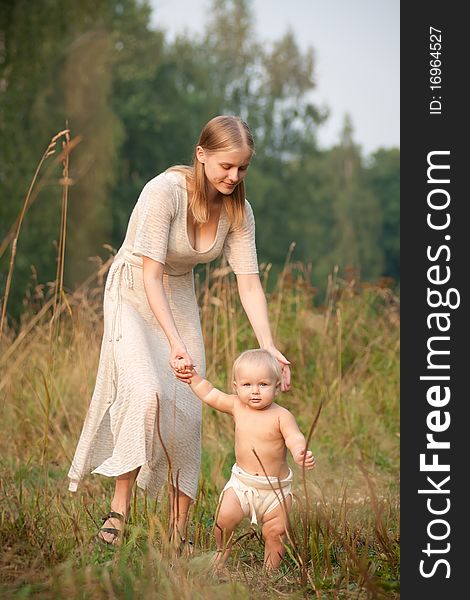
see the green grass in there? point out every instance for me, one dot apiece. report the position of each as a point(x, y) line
point(345, 542)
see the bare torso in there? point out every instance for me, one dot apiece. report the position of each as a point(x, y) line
point(259, 430)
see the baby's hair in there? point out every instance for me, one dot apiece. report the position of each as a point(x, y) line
point(258, 357)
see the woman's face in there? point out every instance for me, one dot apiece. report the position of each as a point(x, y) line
point(224, 169)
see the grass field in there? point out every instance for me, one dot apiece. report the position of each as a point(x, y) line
point(345, 521)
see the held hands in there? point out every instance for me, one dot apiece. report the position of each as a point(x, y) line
point(181, 362)
point(299, 454)
point(183, 372)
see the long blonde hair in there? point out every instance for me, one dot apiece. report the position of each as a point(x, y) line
point(222, 133)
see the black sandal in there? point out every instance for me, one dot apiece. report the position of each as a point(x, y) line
point(112, 530)
point(186, 546)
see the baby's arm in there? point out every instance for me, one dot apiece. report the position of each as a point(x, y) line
point(210, 395)
point(295, 440)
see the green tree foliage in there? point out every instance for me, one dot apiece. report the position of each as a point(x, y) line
point(138, 100)
point(357, 219)
point(54, 71)
point(383, 179)
point(87, 88)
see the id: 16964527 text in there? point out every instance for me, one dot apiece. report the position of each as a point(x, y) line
point(435, 72)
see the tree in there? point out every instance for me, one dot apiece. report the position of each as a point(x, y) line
point(54, 59)
point(138, 101)
point(383, 177)
point(357, 221)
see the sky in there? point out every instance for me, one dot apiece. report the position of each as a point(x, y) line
point(356, 46)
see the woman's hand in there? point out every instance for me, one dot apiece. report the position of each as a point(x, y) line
point(180, 360)
point(285, 369)
point(254, 302)
point(183, 373)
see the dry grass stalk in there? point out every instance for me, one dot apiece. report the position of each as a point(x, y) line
point(280, 289)
point(50, 150)
point(59, 280)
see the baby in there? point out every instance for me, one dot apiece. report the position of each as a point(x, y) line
point(260, 485)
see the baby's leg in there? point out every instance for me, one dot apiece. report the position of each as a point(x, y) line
point(229, 515)
point(274, 532)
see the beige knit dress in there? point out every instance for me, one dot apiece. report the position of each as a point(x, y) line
point(138, 402)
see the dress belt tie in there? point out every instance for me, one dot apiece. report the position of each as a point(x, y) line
point(122, 268)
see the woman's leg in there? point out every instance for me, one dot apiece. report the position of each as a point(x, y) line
point(180, 504)
point(120, 503)
point(123, 492)
point(122, 499)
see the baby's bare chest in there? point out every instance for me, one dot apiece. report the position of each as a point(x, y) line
point(253, 429)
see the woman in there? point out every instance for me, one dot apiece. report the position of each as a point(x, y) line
point(140, 413)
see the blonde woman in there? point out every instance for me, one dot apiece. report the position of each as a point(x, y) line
point(140, 414)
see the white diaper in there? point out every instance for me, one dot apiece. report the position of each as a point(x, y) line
point(255, 492)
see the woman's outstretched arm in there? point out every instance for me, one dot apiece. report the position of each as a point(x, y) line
point(153, 283)
point(254, 302)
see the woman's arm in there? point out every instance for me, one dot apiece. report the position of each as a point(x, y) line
point(153, 284)
point(254, 302)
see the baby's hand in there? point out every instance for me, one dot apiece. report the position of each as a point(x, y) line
point(309, 459)
point(184, 373)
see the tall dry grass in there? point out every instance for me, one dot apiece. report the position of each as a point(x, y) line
point(344, 541)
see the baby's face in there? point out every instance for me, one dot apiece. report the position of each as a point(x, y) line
point(255, 386)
